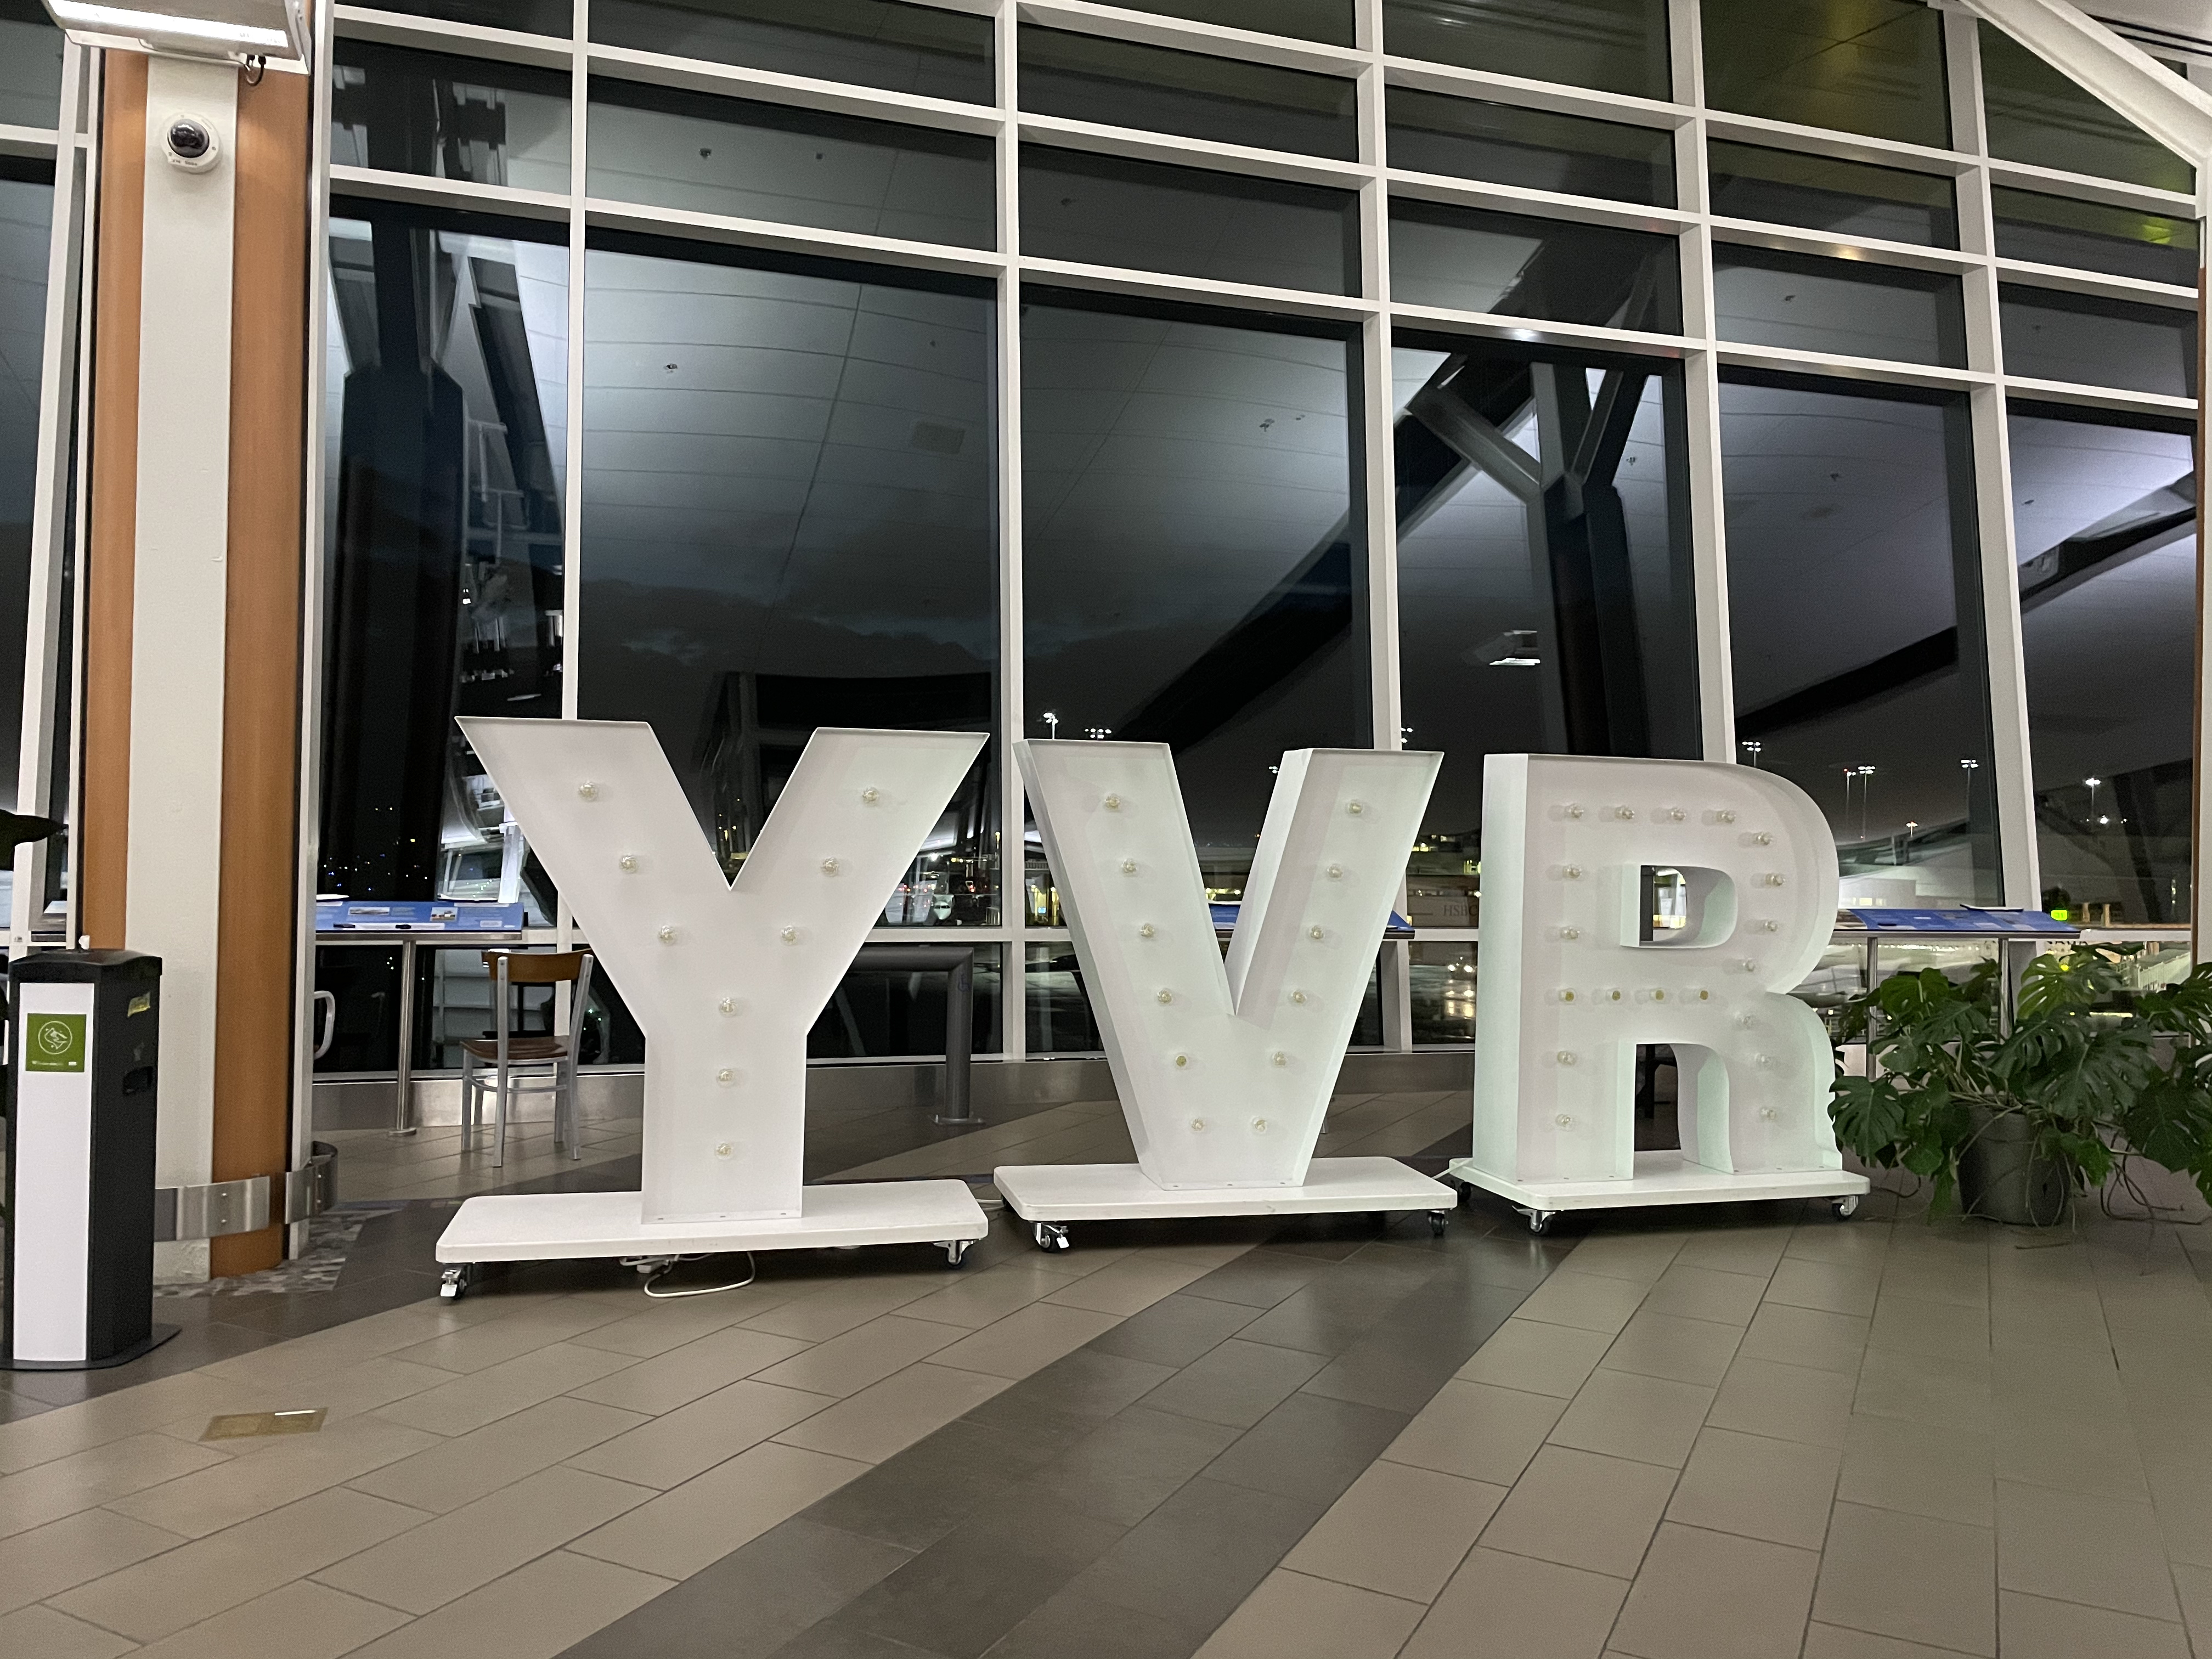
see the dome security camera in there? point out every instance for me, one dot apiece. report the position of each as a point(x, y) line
point(190, 142)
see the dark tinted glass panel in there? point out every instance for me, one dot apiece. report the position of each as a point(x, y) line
point(1855, 624)
point(1846, 198)
point(1544, 589)
point(874, 43)
point(788, 481)
point(30, 65)
point(1522, 267)
point(800, 166)
point(2105, 518)
point(26, 212)
point(448, 373)
point(1504, 144)
point(1808, 304)
point(2038, 116)
point(1442, 985)
point(2082, 338)
point(1872, 66)
point(1328, 21)
point(2058, 230)
point(555, 17)
point(1618, 45)
point(1194, 569)
point(1058, 1008)
point(474, 119)
point(1088, 77)
point(884, 1009)
point(1107, 211)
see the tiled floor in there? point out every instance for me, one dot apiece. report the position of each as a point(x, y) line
point(1708, 1436)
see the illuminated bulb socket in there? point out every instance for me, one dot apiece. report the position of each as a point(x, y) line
point(828, 867)
point(1626, 814)
point(1297, 996)
point(1182, 1060)
point(1565, 1121)
point(1724, 817)
point(1701, 994)
point(1570, 934)
point(869, 796)
point(1566, 1056)
point(667, 936)
point(1336, 872)
point(587, 791)
point(1129, 866)
point(725, 1077)
point(1566, 995)
point(1112, 803)
point(1313, 932)
point(1355, 807)
point(1675, 814)
point(728, 1005)
point(724, 1150)
point(628, 861)
point(1770, 927)
point(1571, 872)
point(790, 936)
point(1281, 1059)
point(1762, 839)
point(1167, 996)
point(1572, 810)
point(1613, 996)
point(1656, 993)
point(1749, 966)
point(1259, 1126)
point(1145, 930)
point(1776, 878)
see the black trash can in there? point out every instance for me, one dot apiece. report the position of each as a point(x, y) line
point(84, 1042)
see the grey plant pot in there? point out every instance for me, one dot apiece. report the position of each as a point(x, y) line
point(2001, 1179)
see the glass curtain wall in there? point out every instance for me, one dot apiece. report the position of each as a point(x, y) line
point(855, 396)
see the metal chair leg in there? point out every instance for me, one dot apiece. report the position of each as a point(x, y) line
point(468, 1101)
point(499, 1133)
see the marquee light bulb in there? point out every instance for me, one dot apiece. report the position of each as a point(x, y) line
point(1145, 930)
point(726, 1076)
point(828, 867)
point(1768, 1112)
point(1571, 872)
point(1565, 1120)
point(1566, 995)
point(1570, 934)
point(869, 796)
point(1197, 1126)
point(1626, 814)
point(791, 936)
point(1335, 872)
point(1281, 1059)
point(728, 1005)
point(1674, 814)
point(1314, 933)
point(1769, 926)
point(1762, 839)
point(1566, 1056)
point(1182, 1060)
point(724, 1150)
point(668, 936)
point(1355, 807)
point(1297, 996)
point(1776, 878)
point(1259, 1126)
point(1724, 816)
point(588, 790)
point(1167, 996)
point(1573, 811)
point(629, 862)
point(1112, 803)
point(1749, 966)
point(1129, 866)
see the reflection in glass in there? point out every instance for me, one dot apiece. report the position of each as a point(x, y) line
point(2060, 230)
point(2039, 116)
point(1092, 78)
point(888, 1013)
point(1058, 1008)
point(554, 17)
point(30, 65)
point(1871, 66)
point(1194, 571)
point(1328, 21)
point(1616, 45)
point(1855, 624)
point(1515, 266)
point(2104, 519)
point(777, 161)
point(788, 485)
point(873, 43)
point(1534, 148)
point(448, 396)
point(472, 119)
point(1810, 304)
point(27, 206)
point(1443, 992)
point(2049, 335)
point(1788, 187)
point(1839, 977)
point(1544, 589)
point(1187, 221)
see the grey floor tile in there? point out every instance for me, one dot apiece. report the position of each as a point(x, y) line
point(1398, 1529)
point(1647, 1419)
point(1827, 1286)
point(1787, 1402)
point(1510, 1606)
point(914, 1499)
point(1834, 1642)
point(1130, 1465)
point(1478, 1431)
point(2102, 1551)
point(1947, 1474)
point(1260, 1278)
point(1906, 1575)
point(1176, 1329)
point(1589, 1301)
point(1193, 1560)
point(1291, 1616)
point(2031, 1627)
point(1072, 1625)
point(1806, 1336)
point(1944, 1330)
point(1729, 1299)
point(1951, 1393)
point(1655, 1344)
point(1073, 1395)
point(1582, 1510)
point(1713, 1595)
point(1525, 1353)
point(1310, 1447)
point(1757, 1487)
point(1236, 1383)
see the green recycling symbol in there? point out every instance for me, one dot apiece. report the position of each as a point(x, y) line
point(54, 1042)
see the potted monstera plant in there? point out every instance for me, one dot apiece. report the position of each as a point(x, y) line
point(2011, 1123)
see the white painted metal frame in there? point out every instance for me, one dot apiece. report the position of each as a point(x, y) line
point(1373, 313)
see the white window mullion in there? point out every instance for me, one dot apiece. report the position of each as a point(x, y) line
point(1013, 847)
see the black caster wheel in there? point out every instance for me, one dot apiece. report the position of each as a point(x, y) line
point(955, 1251)
point(1051, 1236)
point(1439, 1220)
point(1846, 1206)
point(455, 1282)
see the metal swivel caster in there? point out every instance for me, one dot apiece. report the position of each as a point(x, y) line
point(1846, 1206)
point(955, 1251)
point(1439, 1220)
point(1539, 1221)
point(454, 1283)
point(1051, 1236)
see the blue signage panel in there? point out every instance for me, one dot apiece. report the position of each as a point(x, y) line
point(417, 916)
point(2012, 924)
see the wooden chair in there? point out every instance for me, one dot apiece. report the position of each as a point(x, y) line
point(522, 1062)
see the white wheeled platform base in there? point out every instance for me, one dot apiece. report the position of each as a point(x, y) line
point(1051, 1196)
point(569, 1226)
point(1662, 1178)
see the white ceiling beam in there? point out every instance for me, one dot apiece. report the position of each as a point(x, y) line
point(2114, 70)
